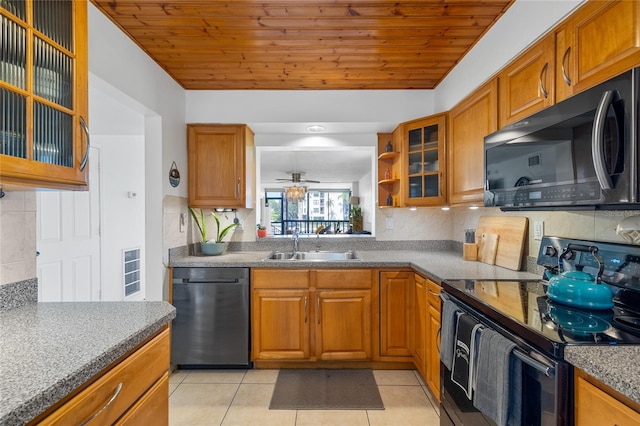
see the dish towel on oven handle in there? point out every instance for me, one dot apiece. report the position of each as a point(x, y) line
point(498, 388)
point(449, 318)
point(463, 368)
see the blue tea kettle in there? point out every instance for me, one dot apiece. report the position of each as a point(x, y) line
point(578, 288)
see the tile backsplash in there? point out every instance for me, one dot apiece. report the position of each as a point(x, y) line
point(17, 236)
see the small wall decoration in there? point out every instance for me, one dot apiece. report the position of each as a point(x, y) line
point(174, 175)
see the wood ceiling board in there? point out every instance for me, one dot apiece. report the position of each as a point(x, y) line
point(512, 231)
point(359, 44)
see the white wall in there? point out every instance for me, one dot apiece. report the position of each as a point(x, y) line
point(520, 26)
point(121, 64)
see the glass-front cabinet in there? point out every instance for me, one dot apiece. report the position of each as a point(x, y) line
point(44, 138)
point(425, 162)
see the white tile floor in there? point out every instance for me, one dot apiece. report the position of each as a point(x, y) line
point(241, 397)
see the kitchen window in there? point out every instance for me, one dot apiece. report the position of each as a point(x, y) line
point(326, 208)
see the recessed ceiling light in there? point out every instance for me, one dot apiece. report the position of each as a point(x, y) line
point(316, 128)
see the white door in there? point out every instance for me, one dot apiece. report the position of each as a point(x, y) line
point(68, 241)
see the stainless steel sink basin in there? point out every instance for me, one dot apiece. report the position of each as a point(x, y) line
point(313, 256)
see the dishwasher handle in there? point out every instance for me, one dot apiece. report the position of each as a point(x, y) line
point(209, 281)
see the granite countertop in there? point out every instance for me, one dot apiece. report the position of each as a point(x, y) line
point(437, 265)
point(610, 365)
point(49, 349)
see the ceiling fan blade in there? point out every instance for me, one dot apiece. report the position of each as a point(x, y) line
point(284, 180)
point(309, 181)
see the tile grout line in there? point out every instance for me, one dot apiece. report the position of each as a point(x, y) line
point(232, 399)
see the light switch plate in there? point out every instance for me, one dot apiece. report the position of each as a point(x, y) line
point(538, 229)
point(389, 223)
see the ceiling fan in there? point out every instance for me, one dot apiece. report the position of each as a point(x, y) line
point(296, 178)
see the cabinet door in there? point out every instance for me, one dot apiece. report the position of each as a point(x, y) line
point(600, 40)
point(43, 90)
point(595, 407)
point(469, 122)
point(220, 160)
point(424, 157)
point(280, 324)
point(527, 84)
point(343, 325)
point(396, 313)
point(420, 326)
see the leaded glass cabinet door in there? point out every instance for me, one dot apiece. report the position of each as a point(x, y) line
point(44, 138)
point(425, 162)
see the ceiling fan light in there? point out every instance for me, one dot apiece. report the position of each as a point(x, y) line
point(294, 194)
point(315, 128)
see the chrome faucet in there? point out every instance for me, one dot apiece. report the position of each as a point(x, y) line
point(296, 235)
point(317, 241)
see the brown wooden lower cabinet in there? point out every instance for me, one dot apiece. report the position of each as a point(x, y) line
point(325, 316)
point(135, 391)
point(598, 405)
point(343, 325)
point(396, 313)
point(433, 338)
point(420, 326)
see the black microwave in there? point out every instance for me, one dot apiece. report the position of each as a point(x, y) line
point(581, 153)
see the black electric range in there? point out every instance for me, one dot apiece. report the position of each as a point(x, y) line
point(522, 307)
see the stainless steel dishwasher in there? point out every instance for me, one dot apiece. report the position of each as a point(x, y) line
point(211, 327)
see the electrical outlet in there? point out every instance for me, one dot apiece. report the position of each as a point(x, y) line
point(389, 223)
point(241, 225)
point(183, 222)
point(538, 229)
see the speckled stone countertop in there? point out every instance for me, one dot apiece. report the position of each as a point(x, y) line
point(49, 349)
point(437, 265)
point(610, 365)
point(615, 366)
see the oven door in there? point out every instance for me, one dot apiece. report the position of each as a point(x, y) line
point(547, 397)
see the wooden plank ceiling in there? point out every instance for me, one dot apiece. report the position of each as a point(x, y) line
point(298, 44)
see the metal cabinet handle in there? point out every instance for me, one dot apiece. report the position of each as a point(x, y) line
point(238, 189)
point(306, 301)
point(83, 124)
point(434, 294)
point(542, 72)
point(438, 338)
point(565, 77)
point(597, 141)
point(105, 406)
point(318, 309)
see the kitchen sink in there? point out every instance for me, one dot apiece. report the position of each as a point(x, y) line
point(314, 256)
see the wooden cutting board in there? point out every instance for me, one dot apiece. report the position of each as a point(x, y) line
point(488, 248)
point(512, 233)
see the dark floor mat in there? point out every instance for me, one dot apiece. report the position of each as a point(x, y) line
point(323, 389)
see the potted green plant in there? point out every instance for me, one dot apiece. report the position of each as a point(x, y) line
point(355, 216)
point(262, 231)
point(216, 246)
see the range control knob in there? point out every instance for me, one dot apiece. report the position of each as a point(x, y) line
point(550, 251)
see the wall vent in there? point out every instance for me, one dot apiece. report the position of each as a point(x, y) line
point(131, 268)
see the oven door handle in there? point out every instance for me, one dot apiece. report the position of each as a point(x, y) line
point(545, 369)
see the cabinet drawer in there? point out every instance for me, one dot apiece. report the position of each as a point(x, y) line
point(343, 278)
point(433, 294)
point(280, 278)
point(152, 408)
point(133, 376)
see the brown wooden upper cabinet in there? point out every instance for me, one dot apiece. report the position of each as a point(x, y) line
point(600, 40)
point(44, 136)
point(424, 161)
point(221, 166)
point(470, 121)
point(527, 84)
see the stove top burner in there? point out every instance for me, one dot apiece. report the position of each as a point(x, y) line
point(578, 322)
point(630, 324)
